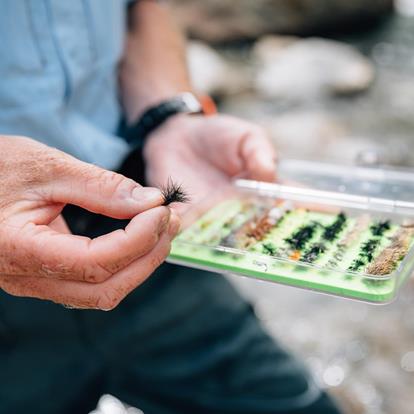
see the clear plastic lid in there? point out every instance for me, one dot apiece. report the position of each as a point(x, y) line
point(385, 182)
point(332, 229)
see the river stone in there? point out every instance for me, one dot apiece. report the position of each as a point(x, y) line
point(212, 74)
point(308, 68)
point(230, 20)
point(315, 135)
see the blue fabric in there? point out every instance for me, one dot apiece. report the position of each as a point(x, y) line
point(58, 80)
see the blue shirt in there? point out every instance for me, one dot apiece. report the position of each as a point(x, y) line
point(58, 75)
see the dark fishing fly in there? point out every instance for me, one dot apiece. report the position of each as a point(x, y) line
point(366, 255)
point(298, 239)
point(314, 252)
point(173, 193)
point(332, 231)
point(378, 229)
point(269, 248)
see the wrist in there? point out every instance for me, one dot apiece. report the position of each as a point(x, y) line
point(151, 100)
point(156, 116)
point(170, 135)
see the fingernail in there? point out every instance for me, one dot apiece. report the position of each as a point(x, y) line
point(147, 194)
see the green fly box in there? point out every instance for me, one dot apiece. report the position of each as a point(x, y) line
point(356, 245)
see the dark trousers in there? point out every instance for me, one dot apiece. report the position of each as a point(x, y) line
point(183, 342)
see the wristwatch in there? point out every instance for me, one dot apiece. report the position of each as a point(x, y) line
point(185, 103)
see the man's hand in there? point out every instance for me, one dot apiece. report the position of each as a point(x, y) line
point(204, 153)
point(38, 255)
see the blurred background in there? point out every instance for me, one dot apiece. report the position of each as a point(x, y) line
point(330, 81)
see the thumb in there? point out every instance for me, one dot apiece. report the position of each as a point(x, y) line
point(259, 157)
point(102, 191)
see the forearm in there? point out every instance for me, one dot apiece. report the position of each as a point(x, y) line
point(154, 66)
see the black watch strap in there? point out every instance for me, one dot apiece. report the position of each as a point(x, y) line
point(153, 117)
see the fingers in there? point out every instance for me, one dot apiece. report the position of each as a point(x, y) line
point(238, 147)
point(40, 258)
point(100, 191)
point(258, 155)
point(105, 296)
point(40, 175)
point(114, 251)
point(64, 256)
point(59, 224)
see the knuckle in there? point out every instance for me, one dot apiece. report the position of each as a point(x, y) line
point(95, 274)
point(158, 259)
point(111, 183)
point(92, 270)
point(93, 177)
point(111, 178)
point(150, 241)
point(108, 299)
point(154, 238)
point(103, 271)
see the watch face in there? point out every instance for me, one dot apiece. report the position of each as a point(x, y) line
point(191, 102)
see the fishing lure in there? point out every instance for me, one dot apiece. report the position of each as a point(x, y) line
point(255, 229)
point(355, 233)
point(378, 229)
point(356, 265)
point(366, 254)
point(332, 231)
point(173, 193)
point(389, 258)
point(314, 252)
point(239, 236)
point(298, 239)
point(270, 249)
point(368, 249)
point(348, 239)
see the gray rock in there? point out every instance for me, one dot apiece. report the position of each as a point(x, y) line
point(315, 135)
point(229, 20)
point(212, 74)
point(305, 69)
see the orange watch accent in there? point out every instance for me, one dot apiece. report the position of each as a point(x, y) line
point(208, 105)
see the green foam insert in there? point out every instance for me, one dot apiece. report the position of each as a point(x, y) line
point(199, 246)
